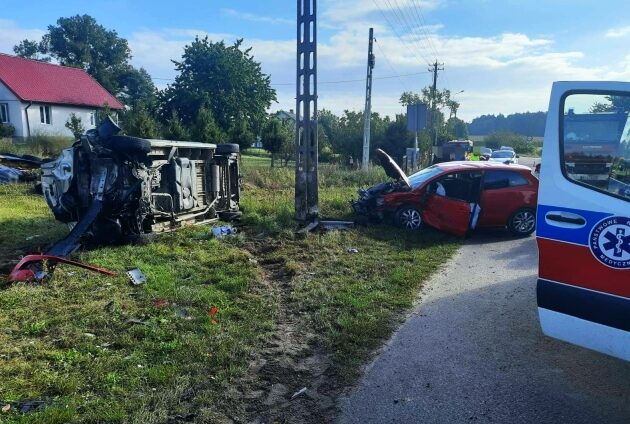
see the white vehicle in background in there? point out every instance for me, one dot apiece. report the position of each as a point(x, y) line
point(507, 148)
point(507, 157)
point(583, 224)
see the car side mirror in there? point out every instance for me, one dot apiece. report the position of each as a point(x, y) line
point(517, 156)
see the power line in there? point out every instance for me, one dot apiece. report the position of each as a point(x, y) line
point(409, 23)
point(393, 27)
point(404, 86)
point(404, 24)
point(330, 82)
point(423, 25)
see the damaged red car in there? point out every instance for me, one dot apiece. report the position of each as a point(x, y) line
point(454, 197)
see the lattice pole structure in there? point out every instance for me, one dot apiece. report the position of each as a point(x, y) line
point(306, 160)
point(367, 116)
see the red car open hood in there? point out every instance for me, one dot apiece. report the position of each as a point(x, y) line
point(391, 167)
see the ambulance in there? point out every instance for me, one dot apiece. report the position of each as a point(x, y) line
point(583, 217)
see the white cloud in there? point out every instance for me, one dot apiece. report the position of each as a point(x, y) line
point(618, 32)
point(257, 18)
point(11, 34)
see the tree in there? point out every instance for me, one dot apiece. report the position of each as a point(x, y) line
point(205, 128)
point(276, 137)
point(137, 122)
point(136, 86)
point(457, 128)
point(30, 49)
point(241, 135)
point(225, 79)
point(174, 129)
point(75, 126)
point(506, 138)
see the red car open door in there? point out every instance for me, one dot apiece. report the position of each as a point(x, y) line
point(447, 214)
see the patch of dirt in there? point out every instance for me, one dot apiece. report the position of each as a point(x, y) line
point(290, 361)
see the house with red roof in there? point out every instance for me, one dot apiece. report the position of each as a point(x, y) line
point(38, 98)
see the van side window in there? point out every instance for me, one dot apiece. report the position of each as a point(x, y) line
point(595, 142)
point(503, 179)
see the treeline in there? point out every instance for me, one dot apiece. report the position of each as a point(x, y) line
point(530, 124)
point(219, 95)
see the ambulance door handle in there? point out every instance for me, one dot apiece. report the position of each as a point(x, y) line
point(565, 220)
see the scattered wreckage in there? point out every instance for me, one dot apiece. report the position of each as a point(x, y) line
point(18, 168)
point(454, 197)
point(111, 188)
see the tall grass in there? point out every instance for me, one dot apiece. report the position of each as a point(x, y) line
point(37, 145)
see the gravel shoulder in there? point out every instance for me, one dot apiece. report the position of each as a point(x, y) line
point(472, 351)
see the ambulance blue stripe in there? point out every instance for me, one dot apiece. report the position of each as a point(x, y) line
point(569, 235)
point(612, 311)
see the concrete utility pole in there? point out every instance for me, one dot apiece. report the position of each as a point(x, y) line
point(435, 68)
point(306, 160)
point(367, 117)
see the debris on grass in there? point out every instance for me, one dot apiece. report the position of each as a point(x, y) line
point(136, 277)
point(225, 230)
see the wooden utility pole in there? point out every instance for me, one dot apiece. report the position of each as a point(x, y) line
point(367, 117)
point(306, 159)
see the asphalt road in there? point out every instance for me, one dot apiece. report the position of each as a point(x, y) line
point(472, 352)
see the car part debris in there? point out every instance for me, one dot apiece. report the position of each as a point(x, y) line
point(23, 407)
point(10, 175)
point(353, 250)
point(136, 277)
point(31, 268)
point(336, 225)
point(299, 393)
point(148, 186)
point(221, 232)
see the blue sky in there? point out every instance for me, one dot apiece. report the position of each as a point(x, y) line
point(503, 54)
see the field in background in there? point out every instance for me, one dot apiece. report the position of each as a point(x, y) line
point(95, 349)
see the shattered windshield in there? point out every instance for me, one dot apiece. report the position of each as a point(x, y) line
point(424, 175)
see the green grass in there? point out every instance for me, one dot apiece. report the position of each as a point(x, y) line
point(75, 342)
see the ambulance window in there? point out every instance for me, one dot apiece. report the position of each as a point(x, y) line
point(595, 141)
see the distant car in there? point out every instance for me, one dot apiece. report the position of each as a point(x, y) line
point(455, 197)
point(507, 148)
point(485, 153)
point(504, 156)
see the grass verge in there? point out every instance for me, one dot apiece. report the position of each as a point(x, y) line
point(97, 350)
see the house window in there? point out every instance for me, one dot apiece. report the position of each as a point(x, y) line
point(44, 115)
point(4, 113)
point(92, 118)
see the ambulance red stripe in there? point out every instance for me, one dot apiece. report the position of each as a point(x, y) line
point(576, 265)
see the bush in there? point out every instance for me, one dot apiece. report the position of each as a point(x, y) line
point(47, 145)
point(6, 130)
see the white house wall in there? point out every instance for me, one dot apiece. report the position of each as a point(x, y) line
point(59, 116)
point(15, 110)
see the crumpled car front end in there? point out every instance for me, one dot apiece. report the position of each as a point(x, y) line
point(371, 203)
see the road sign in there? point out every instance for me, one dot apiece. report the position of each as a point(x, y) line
point(416, 117)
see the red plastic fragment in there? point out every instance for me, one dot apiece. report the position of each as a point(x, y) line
point(23, 273)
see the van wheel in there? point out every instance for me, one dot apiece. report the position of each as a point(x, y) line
point(408, 218)
point(127, 144)
point(227, 149)
point(522, 222)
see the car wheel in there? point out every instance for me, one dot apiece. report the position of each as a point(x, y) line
point(522, 222)
point(409, 218)
point(226, 149)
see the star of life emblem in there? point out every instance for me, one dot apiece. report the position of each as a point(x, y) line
point(610, 242)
